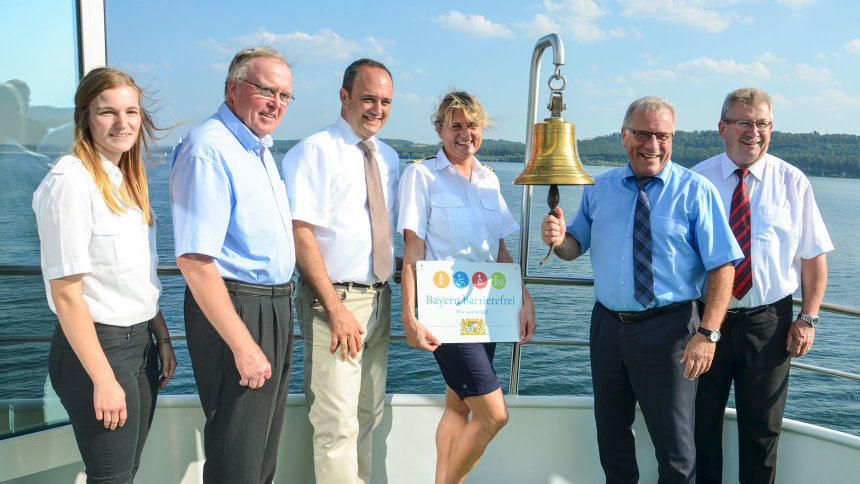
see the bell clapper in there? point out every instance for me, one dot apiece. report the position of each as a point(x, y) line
point(552, 200)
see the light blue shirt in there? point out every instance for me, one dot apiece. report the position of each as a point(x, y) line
point(689, 234)
point(229, 202)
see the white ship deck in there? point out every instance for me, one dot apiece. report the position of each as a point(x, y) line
point(549, 439)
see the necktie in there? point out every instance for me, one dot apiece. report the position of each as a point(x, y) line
point(739, 219)
point(380, 234)
point(643, 268)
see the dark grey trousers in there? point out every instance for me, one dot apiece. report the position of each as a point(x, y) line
point(243, 426)
point(640, 362)
point(109, 455)
point(752, 355)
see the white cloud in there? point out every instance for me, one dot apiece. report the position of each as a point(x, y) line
point(142, 67)
point(412, 97)
point(324, 45)
point(780, 101)
point(654, 75)
point(605, 89)
point(768, 57)
point(831, 100)
point(819, 75)
point(473, 24)
point(538, 26)
point(852, 46)
point(618, 33)
point(219, 47)
point(705, 68)
point(724, 67)
point(578, 17)
point(688, 12)
point(796, 3)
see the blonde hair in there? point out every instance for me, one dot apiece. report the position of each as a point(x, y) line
point(136, 191)
point(460, 100)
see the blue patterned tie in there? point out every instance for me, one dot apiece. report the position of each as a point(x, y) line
point(643, 268)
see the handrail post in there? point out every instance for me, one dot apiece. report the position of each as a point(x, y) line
point(554, 41)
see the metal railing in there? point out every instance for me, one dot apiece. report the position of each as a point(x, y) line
point(513, 389)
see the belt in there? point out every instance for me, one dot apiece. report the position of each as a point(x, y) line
point(637, 316)
point(248, 289)
point(350, 285)
point(740, 313)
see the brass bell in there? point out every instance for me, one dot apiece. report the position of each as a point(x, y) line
point(554, 159)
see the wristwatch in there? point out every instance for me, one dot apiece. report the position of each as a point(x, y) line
point(812, 320)
point(713, 335)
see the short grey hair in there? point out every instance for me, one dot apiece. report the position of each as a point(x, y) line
point(239, 64)
point(648, 104)
point(748, 96)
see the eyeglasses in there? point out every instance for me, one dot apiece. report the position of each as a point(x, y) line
point(270, 93)
point(746, 124)
point(643, 136)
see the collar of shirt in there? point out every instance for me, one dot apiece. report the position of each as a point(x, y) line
point(728, 167)
point(349, 135)
point(113, 171)
point(479, 171)
point(663, 175)
point(246, 137)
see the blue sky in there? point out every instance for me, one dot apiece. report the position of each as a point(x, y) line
point(805, 53)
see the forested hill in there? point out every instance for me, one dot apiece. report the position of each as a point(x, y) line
point(836, 155)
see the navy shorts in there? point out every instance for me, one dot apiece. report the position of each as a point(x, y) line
point(468, 368)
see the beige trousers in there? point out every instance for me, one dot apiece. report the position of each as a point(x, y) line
point(345, 398)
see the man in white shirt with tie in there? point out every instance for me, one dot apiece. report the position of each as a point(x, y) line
point(776, 221)
point(343, 181)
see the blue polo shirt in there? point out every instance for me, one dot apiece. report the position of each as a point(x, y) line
point(689, 232)
point(229, 202)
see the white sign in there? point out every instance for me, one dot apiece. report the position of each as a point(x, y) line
point(470, 302)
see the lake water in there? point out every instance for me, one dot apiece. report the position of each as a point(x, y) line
point(562, 313)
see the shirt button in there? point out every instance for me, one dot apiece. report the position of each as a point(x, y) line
point(622, 283)
point(628, 236)
point(623, 259)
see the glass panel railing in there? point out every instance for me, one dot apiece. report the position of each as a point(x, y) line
point(38, 75)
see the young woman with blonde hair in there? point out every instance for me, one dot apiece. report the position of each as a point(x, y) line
point(97, 236)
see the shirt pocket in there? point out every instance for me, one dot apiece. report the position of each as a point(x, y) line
point(491, 217)
point(448, 215)
point(667, 236)
point(773, 225)
point(103, 246)
point(122, 241)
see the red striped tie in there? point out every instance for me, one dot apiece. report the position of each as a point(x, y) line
point(739, 219)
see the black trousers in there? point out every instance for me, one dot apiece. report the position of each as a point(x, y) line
point(640, 362)
point(752, 354)
point(243, 426)
point(109, 455)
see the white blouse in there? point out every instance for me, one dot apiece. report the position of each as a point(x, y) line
point(115, 252)
point(457, 219)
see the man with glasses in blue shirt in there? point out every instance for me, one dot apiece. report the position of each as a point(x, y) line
point(656, 232)
point(234, 245)
point(777, 223)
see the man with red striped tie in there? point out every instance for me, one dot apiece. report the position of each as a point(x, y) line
point(773, 215)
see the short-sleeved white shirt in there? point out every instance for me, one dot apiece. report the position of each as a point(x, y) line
point(458, 219)
point(324, 176)
point(115, 252)
point(786, 223)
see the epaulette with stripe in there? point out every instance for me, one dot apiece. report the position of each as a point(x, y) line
point(419, 160)
point(488, 167)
